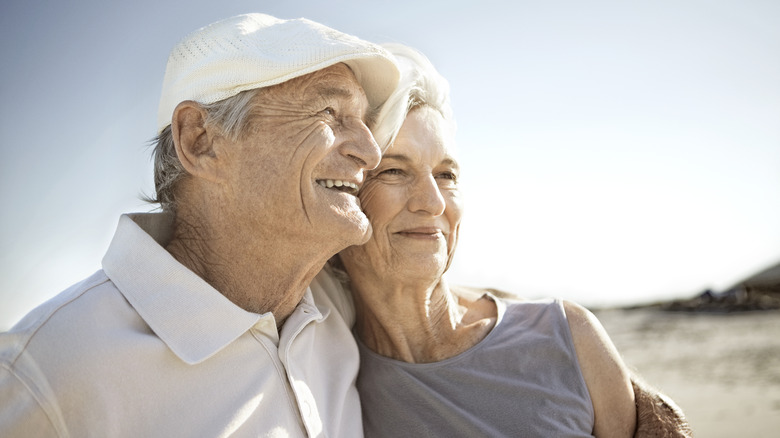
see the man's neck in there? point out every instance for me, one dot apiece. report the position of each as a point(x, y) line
point(259, 274)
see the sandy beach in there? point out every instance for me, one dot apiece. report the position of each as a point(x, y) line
point(722, 369)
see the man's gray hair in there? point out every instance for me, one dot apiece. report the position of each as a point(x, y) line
point(232, 116)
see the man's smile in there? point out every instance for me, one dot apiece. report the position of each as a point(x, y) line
point(340, 185)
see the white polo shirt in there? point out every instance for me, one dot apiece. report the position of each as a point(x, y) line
point(146, 348)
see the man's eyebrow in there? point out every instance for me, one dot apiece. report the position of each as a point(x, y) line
point(369, 118)
point(334, 92)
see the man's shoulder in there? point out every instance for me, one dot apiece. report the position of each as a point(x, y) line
point(70, 343)
point(56, 320)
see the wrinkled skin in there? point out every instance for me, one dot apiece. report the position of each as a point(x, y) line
point(254, 219)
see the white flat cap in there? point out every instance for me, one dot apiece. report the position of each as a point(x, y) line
point(257, 50)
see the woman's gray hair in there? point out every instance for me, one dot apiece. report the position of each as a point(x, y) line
point(232, 116)
point(420, 85)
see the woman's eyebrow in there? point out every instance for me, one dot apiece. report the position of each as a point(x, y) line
point(397, 157)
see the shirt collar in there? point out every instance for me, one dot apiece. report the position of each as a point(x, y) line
point(193, 319)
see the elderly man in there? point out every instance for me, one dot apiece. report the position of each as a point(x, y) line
point(207, 318)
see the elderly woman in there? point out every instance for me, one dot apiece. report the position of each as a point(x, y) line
point(437, 360)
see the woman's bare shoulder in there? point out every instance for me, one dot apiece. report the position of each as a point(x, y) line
point(605, 374)
point(476, 293)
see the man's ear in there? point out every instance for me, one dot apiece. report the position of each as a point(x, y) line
point(194, 142)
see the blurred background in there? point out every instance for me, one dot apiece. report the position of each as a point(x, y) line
point(613, 152)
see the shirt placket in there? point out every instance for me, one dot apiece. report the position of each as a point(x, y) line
point(295, 367)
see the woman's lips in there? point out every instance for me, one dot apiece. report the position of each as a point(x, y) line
point(423, 233)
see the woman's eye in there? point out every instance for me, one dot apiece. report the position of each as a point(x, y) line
point(391, 171)
point(447, 175)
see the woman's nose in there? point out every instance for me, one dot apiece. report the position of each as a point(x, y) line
point(426, 197)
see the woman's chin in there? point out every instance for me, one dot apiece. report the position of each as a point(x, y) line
point(424, 268)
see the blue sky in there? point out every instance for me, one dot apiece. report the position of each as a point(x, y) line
point(613, 152)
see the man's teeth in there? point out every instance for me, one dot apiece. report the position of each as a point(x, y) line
point(328, 183)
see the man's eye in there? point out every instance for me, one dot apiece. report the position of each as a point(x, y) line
point(328, 112)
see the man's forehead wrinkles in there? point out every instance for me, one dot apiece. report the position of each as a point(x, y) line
point(337, 92)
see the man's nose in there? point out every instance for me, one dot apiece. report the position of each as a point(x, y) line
point(359, 144)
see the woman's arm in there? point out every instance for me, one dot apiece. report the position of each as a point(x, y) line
point(606, 375)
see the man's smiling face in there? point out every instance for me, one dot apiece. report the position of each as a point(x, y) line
point(298, 169)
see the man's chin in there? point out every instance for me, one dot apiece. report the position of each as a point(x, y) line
point(366, 233)
point(355, 228)
point(362, 231)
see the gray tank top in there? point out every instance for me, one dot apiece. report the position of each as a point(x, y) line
point(522, 380)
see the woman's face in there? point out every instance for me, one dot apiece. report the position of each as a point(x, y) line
point(413, 203)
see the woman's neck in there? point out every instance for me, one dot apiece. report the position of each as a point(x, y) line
point(418, 322)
